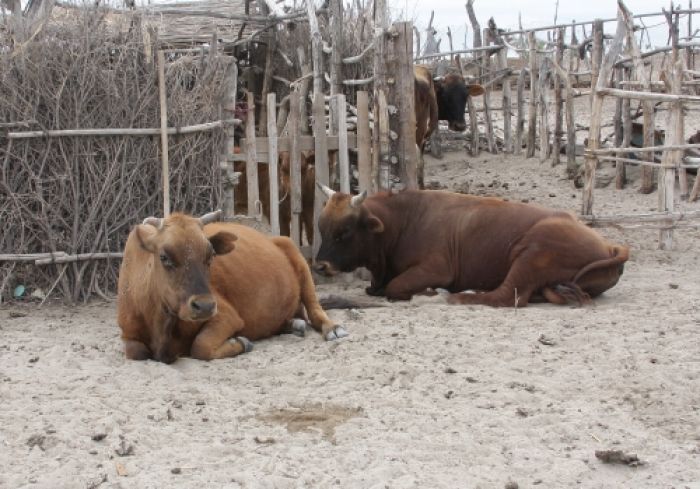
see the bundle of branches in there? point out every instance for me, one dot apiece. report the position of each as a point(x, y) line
point(82, 194)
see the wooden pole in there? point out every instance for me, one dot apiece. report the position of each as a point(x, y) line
point(294, 126)
point(602, 81)
point(672, 159)
point(620, 173)
point(273, 163)
point(228, 107)
point(316, 48)
point(251, 167)
point(321, 162)
point(520, 117)
point(486, 62)
point(506, 103)
point(380, 129)
point(543, 105)
point(164, 134)
point(558, 100)
point(571, 167)
point(477, 36)
point(343, 161)
point(597, 53)
point(364, 143)
point(532, 108)
point(267, 80)
point(401, 95)
point(473, 127)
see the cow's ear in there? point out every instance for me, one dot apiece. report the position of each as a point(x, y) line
point(146, 234)
point(222, 242)
point(475, 90)
point(374, 224)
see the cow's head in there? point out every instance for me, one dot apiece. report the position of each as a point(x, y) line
point(452, 92)
point(179, 272)
point(347, 229)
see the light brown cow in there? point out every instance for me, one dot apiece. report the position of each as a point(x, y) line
point(206, 290)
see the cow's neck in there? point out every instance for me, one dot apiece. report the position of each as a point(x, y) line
point(391, 212)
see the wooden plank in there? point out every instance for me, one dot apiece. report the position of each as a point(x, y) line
point(384, 169)
point(164, 134)
point(343, 157)
point(251, 167)
point(543, 108)
point(364, 143)
point(620, 172)
point(671, 161)
point(321, 163)
point(294, 126)
point(273, 163)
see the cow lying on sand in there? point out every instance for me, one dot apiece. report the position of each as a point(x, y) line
point(512, 253)
point(194, 287)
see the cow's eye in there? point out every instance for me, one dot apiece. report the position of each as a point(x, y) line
point(166, 261)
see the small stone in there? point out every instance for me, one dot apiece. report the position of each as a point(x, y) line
point(33, 359)
point(511, 485)
point(673, 286)
point(522, 412)
point(176, 470)
point(200, 403)
point(552, 195)
point(450, 370)
point(98, 436)
point(449, 394)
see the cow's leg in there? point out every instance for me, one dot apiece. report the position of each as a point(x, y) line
point(317, 316)
point(136, 350)
point(416, 280)
point(217, 338)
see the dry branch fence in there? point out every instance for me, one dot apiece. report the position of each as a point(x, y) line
point(76, 195)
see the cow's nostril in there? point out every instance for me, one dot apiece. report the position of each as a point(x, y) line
point(202, 307)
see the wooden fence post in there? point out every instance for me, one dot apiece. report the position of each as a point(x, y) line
point(251, 166)
point(294, 127)
point(321, 162)
point(228, 108)
point(520, 116)
point(532, 108)
point(620, 175)
point(543, 105)
point(342, 131)
point(558, 100)
point(164, 134)
point(594, 133)
point(364, 143)
point(273, 163)
point(486, 62)
point(597, 53)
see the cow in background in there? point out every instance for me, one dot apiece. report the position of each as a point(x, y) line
point(193, 287)
point(511, 253)
point(438, 99)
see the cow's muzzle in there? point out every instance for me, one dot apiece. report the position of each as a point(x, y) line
point(325, 268)
point(199, 308)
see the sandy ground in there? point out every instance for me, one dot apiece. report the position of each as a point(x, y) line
point(421, 395)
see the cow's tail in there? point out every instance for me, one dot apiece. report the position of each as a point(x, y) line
point(337, 302)
point(620, 254)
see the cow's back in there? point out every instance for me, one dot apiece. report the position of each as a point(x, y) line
point(256, 279)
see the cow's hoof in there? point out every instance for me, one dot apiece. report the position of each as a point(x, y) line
point(297, 327)
point(245, 343)
point(375, 291)
point(336, 333)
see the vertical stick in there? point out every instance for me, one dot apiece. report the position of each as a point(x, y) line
point(228, 107)
point(337, 45)
point(543, 104)
point(603, 80)
point(316, 48)
point(251, 167)
point(321, 163)
point(507, 108)
point(384, 168)
point(689, 52)
point(164, 134)
point(343, 161)
point(486, 61)
point(473, 127)
point(273, 163)
point(558, 100)
point(597, 53)
point(532, 109)
point(295, 124)
point(520, 117)
point(672, 158)
point(477, 36)
point(364, 143)
point(620, 176)
point(267, 79)
point(405, 149)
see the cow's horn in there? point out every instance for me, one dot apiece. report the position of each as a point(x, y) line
point(211, 217)
point(326, 190)
point(357, 200)
point(156, 222)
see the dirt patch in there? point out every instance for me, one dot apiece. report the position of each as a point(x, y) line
point(312, 418)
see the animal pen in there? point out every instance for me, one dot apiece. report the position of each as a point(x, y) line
point(184, 106)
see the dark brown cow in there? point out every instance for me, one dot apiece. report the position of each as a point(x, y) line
point(442, 99)
point(512, 253)
point(186, 288)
